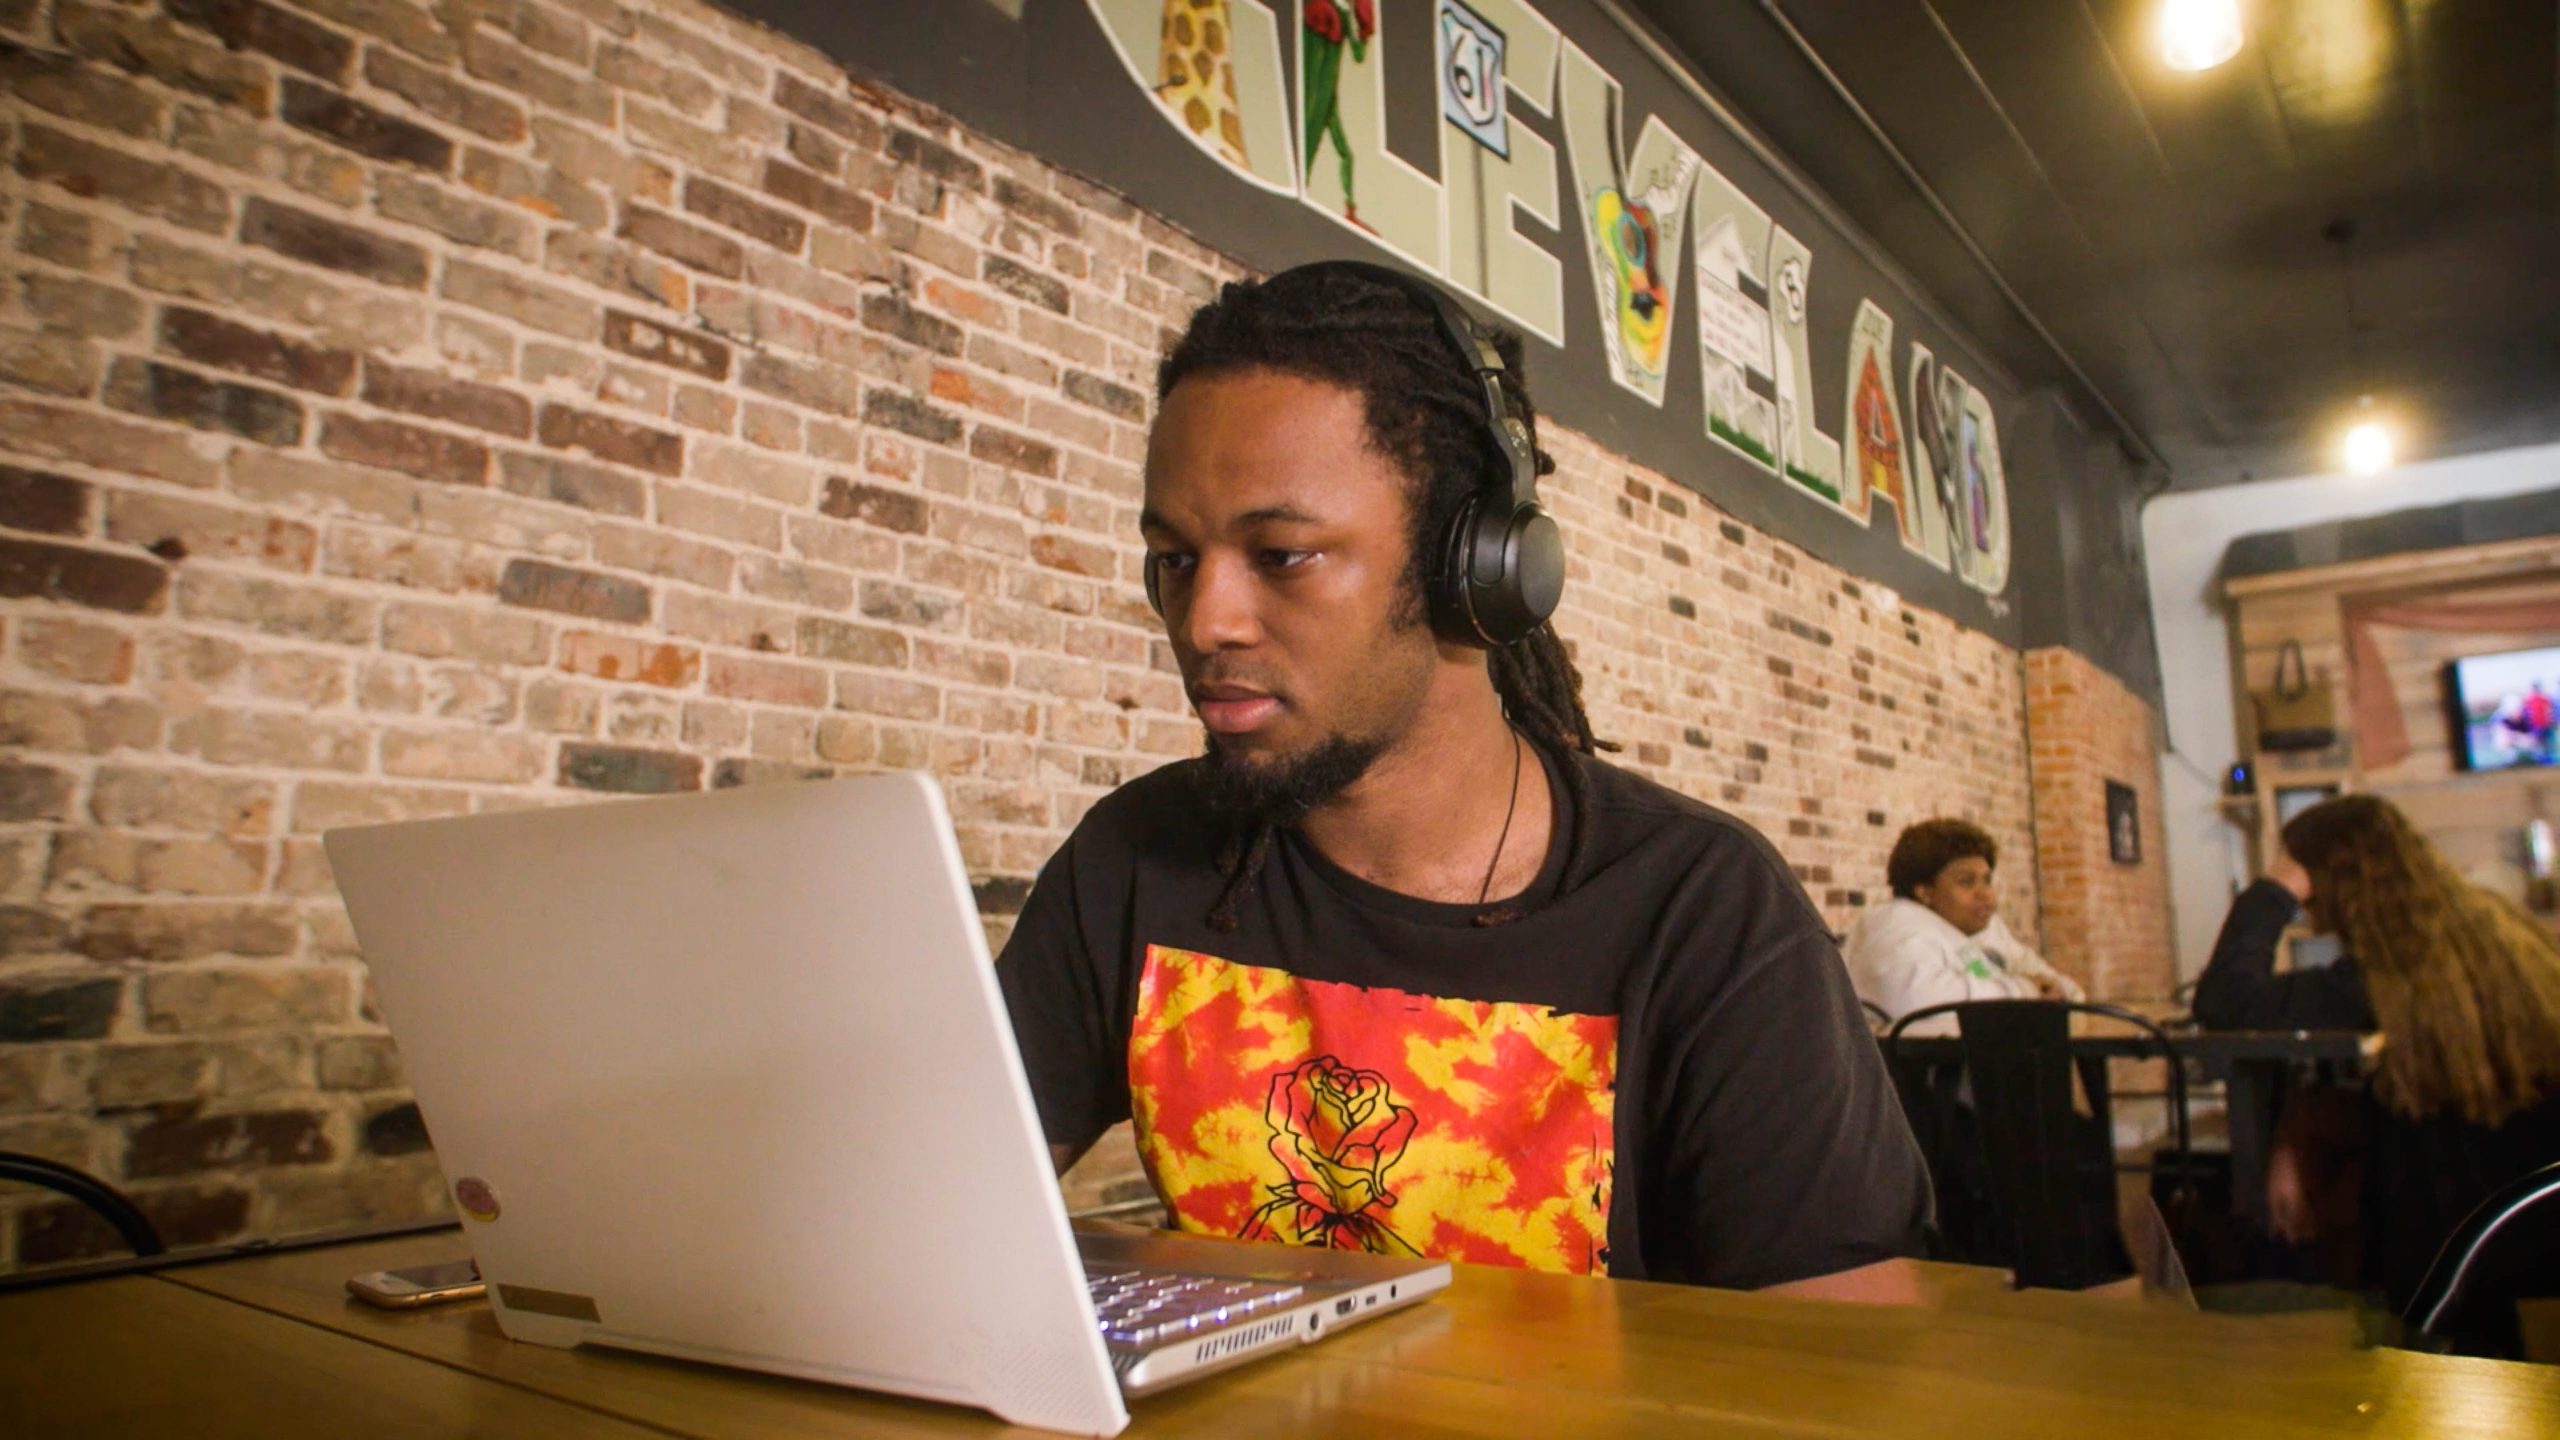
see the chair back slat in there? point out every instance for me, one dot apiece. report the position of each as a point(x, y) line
point(2050, 1184)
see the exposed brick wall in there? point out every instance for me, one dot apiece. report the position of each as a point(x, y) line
point(2106, 924)
point(409, 411)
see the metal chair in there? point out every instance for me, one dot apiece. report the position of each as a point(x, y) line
point(2053, 1202)
point(2525, 1211)
point(1879, 1018)
point(105, 1200)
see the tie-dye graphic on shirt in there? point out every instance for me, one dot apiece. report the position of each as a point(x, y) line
point(1315, 1113)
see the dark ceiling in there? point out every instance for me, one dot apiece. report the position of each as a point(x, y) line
point(2173, 236)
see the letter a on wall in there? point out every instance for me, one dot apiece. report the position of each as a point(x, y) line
point(1213, 67)
point(1878, 465)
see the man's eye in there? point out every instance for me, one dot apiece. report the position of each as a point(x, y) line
point(1286, 559)
point(1171, 563)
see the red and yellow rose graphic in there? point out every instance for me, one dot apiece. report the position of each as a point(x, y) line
point(1336, 1132)
point(1316, 1113)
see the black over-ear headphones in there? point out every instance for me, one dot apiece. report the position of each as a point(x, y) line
point(1501, 565)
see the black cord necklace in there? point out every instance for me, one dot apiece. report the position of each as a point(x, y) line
point(1507, 811)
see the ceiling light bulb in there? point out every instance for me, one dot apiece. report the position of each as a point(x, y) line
point(2368, 447)
point(2199, 34)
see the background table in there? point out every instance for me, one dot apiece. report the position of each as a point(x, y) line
point(2255, 1067)
point(271, 1347)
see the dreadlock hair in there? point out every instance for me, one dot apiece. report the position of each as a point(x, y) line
point(1424, 410)
point(2465, 984)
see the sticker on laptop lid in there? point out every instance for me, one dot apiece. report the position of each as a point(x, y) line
point(476, 1198)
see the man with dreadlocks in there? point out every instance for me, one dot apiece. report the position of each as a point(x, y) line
point(1399, 964)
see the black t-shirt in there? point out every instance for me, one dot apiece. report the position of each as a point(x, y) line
point(1660, 1071)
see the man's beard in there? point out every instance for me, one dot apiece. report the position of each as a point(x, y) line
point(1281, 791)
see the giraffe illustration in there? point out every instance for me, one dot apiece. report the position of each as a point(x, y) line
point(1196, 77)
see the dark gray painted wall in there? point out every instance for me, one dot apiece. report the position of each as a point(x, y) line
point(2075, 575)
point(2401, 532)
point(2080, 578)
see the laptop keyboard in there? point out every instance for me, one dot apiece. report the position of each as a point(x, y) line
point(1141, 1307)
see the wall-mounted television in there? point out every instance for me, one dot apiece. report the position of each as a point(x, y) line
point(2506, 708)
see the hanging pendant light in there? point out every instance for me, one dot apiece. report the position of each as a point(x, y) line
point(2367, 448)
point(2199, 34)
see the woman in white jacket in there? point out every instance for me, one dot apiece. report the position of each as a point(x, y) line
point(1939, 939)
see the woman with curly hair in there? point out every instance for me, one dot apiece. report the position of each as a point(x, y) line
point(2464, 986)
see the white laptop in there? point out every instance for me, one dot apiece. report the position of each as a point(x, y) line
point(727, 1076)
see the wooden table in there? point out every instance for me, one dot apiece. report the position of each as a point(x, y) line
point(2255, 1067)
point(271, 1348)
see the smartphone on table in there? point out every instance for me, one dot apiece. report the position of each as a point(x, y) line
point(418, 1285)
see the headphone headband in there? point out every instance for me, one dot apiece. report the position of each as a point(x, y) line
point(1475, 347)
point(1500, 569)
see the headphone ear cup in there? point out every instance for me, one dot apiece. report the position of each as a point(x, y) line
point(1519, 577)
point(1537, 567)
point(1451, 597)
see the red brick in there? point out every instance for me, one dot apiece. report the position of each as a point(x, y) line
point(824, 639)
point(1038, 206)
point(933, 158)
point(816, 194)
point(889, 509)
point(1093, 390)
point(502, 292)
point(145, 387)
point(172, 525)
point(373, 133)
point(417, 200)
point(482, 112)
point(829, 112)
point(570, 482)
point(1023, 283)
point(98, 172)
point(820, 387)
point(152, 46)
point(722, 205)
point(543, 586)
point(684, 349)
point(46, 503)
point(620, 441)
point(773, 682)
point(58, 1231)
point(271, 30)
point(685, 243)
point(440, 397)
point(187, 1145)
point(909, 415)
point(1014, 452)
point(226, 344)
point(186, 930)
point(63, 86)
point(894, 317)
point(500, 63)
point(318, 240)
point(105, 580)
point(410, 449)
point(627, 769)
point(620, 657)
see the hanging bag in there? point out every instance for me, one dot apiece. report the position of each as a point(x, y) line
point(2296, 712)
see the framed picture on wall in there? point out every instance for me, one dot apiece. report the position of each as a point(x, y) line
point(2124, 824)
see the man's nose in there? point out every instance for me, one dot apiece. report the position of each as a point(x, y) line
point(1220, 611)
